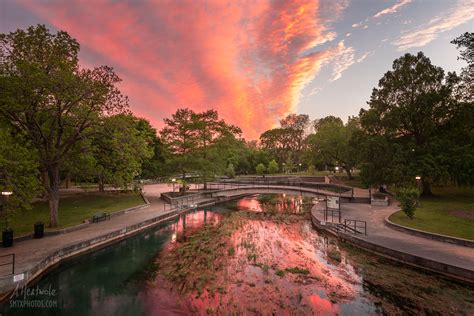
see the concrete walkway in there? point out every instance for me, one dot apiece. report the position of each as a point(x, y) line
point(378, 233)
point(29, 252)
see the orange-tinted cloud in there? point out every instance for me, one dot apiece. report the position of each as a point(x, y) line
point(248, 60)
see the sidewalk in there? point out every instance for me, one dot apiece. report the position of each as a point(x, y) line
point(379, 234)
point(29, 252)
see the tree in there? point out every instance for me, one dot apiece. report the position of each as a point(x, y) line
point(121, 144)
point(209, 131)
point(287, 141)
point(464, 84)
point(260, 169)
point(230, 172)
point(48, 98)
point(18, 170)
point(332, 141)
point(178, 135)
point(272, 167)
point(199, 142)
point(410, 106)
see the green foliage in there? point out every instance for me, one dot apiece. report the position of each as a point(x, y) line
point(415, 126)
point(18, 171)
point(408, 198)
point(51, 101)
point(121, 144)
point(332, 142)
point(287, 141)
point(200, 142)
point(311, 170)
point(272, 167)
point(260, 169)
point(230, 172)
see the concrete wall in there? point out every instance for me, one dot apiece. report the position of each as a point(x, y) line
point(420, 262)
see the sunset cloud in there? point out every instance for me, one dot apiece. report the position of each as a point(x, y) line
point(248, 59)
point(392, 9)
point(462, 13)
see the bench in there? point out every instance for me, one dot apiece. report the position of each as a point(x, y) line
point(97, 217)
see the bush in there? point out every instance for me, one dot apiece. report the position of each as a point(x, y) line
point(408, 198)
point(260, 168)
point(273, 167)
point(311, 170)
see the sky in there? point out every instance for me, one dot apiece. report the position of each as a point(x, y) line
point(252, 61)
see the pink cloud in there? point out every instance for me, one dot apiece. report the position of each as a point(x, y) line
point(248, 60)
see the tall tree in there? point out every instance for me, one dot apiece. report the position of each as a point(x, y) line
point(179, 137)
point(465, 82)
point(46, 96)
point(411, 104)
point(121, 143)
point(208, 131)
point(332, 142)
point(18, 169)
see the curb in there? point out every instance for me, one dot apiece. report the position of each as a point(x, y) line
point(453, 272)
point(428, 235)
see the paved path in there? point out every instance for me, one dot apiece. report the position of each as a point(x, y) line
point(380, 234)
point(29, 252)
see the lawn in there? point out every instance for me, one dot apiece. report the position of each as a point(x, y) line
point(73, 210)
point(450, 212)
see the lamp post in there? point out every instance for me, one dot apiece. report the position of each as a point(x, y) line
point(337, 169)
point(174, 181)
point(6, 194)
point(299, 167)
point(283, 164)
point(418, 182)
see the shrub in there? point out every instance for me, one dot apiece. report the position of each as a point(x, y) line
point(260, 168)
point(273, 167)
point(408, 198)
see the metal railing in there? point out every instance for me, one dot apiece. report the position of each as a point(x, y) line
point(11, 262)
point(332, 212)
point(353, 226)
point(342, 190)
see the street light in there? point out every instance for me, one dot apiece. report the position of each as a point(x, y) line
point(299, 167)
point(337, 169)
point(418, 180)
point(6, 194)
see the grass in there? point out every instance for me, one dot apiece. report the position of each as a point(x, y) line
point(437, 214)
point(73, 210)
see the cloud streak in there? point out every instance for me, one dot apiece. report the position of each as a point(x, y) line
point(392, 9)
point(248, 60)
point(463, 12)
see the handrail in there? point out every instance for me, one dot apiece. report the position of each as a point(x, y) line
point(351, 225)
point(12, 262)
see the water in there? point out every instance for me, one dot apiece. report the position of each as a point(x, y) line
point(122, 279)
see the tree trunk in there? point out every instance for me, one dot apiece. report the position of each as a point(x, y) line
point(348, 171)
point(46, 186)
point(68, 179)
point(426, 188)
point(53, 174)
point(184, 183)
point(101, 184)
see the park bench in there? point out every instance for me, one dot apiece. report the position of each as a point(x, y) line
point(97, 217)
